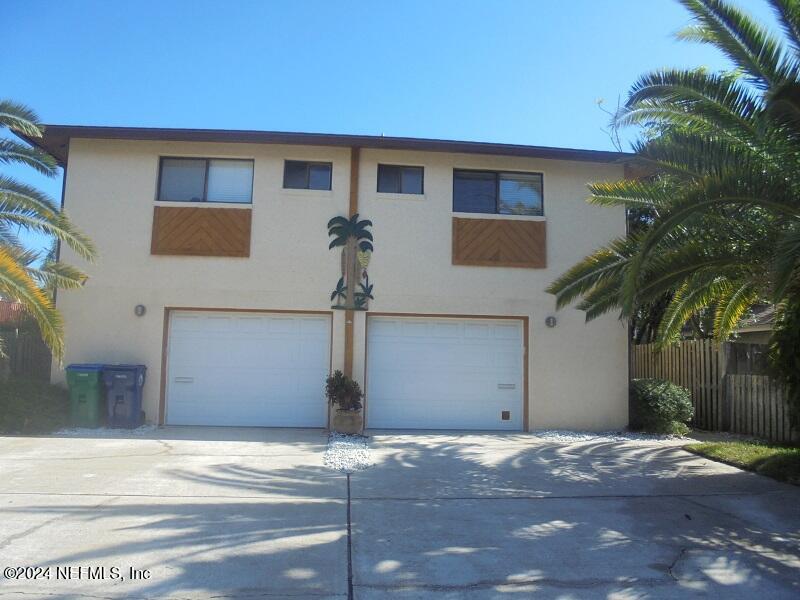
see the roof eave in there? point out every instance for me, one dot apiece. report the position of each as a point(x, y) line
point(55, 142)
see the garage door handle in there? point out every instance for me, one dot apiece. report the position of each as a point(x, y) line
point(506, 386)
point(184, 380)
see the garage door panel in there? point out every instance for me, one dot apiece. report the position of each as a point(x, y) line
point(312, 352)
point(470, 356)
point(249, 370)
point(283, 326)
point(415, 329)
point(315, 327)
point(395, 415)
point(383, 328)
point(507, 332)
point(479, 331)
point(448, 330)
point(444, 373)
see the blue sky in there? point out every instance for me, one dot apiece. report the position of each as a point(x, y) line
point(523, 71)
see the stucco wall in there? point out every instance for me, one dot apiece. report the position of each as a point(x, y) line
point(577, 371)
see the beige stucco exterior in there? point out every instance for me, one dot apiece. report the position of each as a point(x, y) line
point(577, 371)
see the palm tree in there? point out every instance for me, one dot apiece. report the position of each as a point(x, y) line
point(724, 149)
point(352, 235)
point(25, 275)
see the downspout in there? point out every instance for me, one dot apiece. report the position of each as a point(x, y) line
point(628, 174)
point(58, 242)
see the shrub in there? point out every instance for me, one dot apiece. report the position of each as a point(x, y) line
point(660, 406)
point(344, 391)
point(28, 406)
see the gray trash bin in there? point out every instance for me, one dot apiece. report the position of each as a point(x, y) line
point(124, 385)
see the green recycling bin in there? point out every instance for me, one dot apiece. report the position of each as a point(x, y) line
point(85, 394)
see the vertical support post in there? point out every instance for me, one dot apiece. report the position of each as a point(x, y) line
point(355, 156)
point(349, 315)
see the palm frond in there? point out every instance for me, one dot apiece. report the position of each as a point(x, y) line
point(784, 106)
point(604, 264)
point(689, 205)
point(19, 196)
point(667, 271)
point(58, 275)
point(603, 298)
point(59, 227)
point(689, 299)
point(9, 237)
point(731, 307)
point(787, 261)
point(631, 193)
point(16, 283)
point(14, 152)
point(716, 99)
point(746, 43)
point(788, 14)
point(20, 118)
point(688, 155)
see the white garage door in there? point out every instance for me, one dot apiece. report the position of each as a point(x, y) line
point(248, 369)
point(432, 373)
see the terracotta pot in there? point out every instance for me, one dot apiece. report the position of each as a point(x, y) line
point(348, 421)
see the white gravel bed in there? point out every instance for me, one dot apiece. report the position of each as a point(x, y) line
point(565, 436)
point(106, 432)
point(347, 453)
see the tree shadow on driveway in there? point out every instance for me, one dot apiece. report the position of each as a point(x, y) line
point(283, 535)
point(442, 516)
point(488, 516)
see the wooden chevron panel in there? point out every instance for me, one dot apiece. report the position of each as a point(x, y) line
point(500, 243)
point(195, 231)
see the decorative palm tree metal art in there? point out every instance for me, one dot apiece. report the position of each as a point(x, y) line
point(353, 290)
point(364, 295)
point(340, 292)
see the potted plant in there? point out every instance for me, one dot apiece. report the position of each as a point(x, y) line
point(346, 395)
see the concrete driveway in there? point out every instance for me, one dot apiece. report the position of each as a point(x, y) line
point(254, 513)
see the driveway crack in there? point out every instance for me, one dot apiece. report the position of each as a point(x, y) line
point(584, 584)
point(674, 563)
point(16, 536)
point(349, 545)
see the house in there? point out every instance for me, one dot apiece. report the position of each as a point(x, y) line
point(757, 327)
point(215, 272)
point(11, 313)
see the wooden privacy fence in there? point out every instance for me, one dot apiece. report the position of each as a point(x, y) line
point(26, 354)
point(697, 365)
point(728, 391)
point(758, 408)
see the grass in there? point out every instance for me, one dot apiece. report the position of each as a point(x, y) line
point(779, 462)
point(28, 406)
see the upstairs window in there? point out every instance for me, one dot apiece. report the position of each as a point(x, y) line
point(497, 192)
point(393, 179)
point(206, 180)
point(303, 175)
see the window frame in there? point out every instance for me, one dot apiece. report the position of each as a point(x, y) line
point(422, 179)
point(308, 164)
point(207, 160)
point(497, 174)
